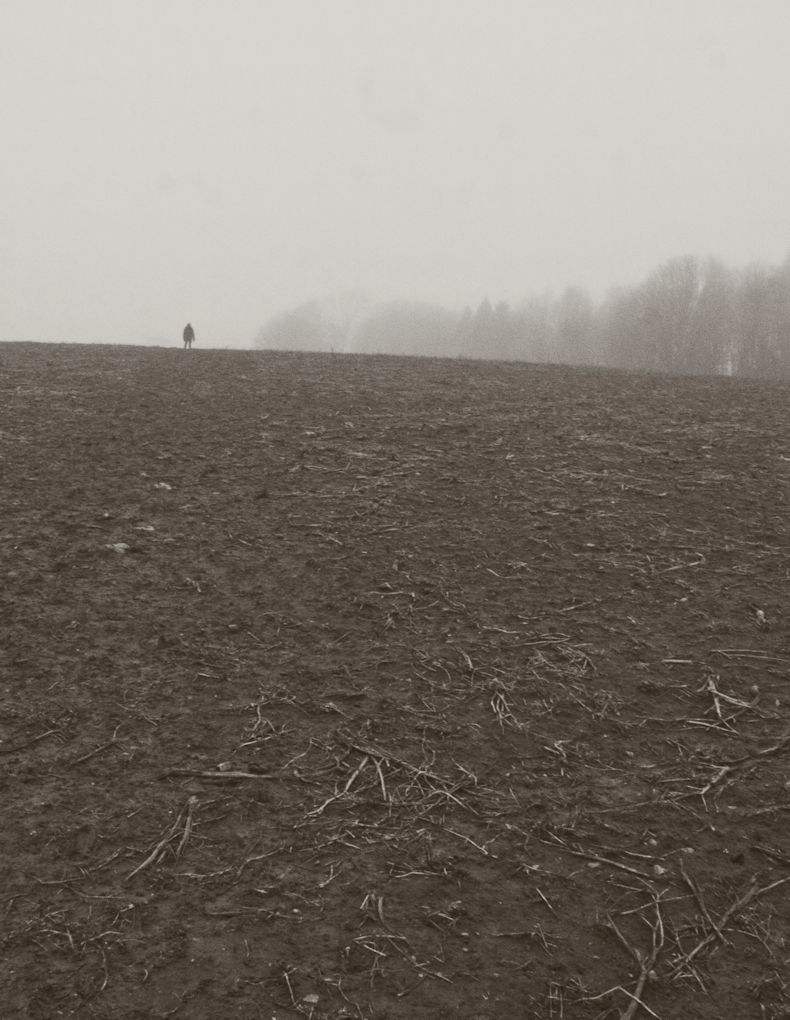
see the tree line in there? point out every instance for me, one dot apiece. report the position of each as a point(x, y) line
point(689, 316)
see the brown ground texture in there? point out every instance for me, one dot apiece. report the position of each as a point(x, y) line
point(368, 687)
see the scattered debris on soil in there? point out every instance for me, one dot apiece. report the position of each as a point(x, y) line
point(366, 687)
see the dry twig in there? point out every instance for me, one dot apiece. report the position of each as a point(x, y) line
point(645, 961)
point(159, 850)
point(751, 894)
point(336, 796)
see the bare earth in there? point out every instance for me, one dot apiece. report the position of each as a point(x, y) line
point(346, 687)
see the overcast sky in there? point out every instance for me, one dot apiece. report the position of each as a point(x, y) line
point(223, 160)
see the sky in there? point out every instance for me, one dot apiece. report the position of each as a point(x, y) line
point(222, 161)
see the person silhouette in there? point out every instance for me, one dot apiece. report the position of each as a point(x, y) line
point(189, 336)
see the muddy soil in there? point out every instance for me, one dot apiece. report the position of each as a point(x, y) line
point(365, 687)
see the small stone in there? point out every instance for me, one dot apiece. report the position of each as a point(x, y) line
point(119, 547)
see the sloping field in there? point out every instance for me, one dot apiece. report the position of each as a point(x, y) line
point(346, 687)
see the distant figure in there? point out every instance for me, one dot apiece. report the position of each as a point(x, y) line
point(189, 336)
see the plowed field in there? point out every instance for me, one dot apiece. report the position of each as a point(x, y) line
point(366, 687)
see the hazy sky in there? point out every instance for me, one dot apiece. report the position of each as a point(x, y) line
point(166, 160)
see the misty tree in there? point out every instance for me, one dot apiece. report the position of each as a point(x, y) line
point(695, 318)
point(509, 344)
point(687, 316)
point(659, 325)
point(493, 331)
point(713, 327)
point(574, 325)
point(619, 324)
point(484, 330)
point(463, 337)
point(300, 329)
point(780, 336)
point(763, 322)
point(670, 294)
point(476, 333)
point(535, 328)
point(403, 327)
